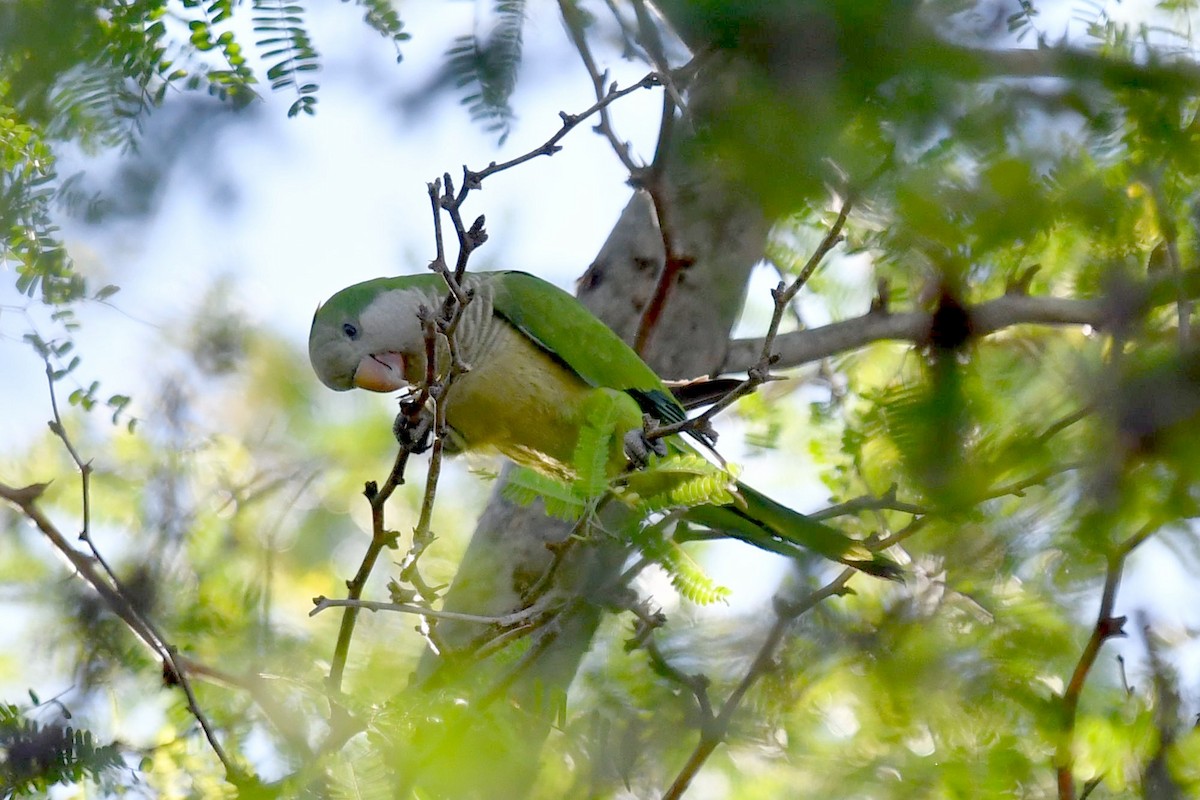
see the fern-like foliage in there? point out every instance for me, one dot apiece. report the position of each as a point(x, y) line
point(681, 480)
point(29, 239)
point(34, 757)
point(381, 17)
point(487, 68)
point(283, 39)
point(688, 577)
point(362, 775)
point(570, 500)
point(562, 500)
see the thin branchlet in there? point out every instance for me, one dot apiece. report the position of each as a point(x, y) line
point(760, 373)
point(715, 725)
point(1106, 627)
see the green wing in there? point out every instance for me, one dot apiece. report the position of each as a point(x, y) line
point(568, 332)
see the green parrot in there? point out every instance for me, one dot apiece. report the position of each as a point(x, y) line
point(539, 362)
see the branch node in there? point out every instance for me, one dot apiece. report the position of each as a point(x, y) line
point(1112, 627)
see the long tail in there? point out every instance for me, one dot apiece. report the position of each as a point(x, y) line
point(773, 526)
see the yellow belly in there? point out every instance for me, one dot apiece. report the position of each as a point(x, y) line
point(529, 407)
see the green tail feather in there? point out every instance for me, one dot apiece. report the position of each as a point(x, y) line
point(772, 526)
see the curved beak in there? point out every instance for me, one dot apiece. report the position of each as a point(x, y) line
point(380, 372)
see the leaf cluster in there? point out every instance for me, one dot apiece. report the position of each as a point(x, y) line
point(35, 756)
point(486, 67)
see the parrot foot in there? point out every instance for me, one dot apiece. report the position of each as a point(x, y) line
point(639, 447)
point(412, 430)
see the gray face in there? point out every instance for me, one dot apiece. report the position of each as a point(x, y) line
point(343, 335)
point(335, 348)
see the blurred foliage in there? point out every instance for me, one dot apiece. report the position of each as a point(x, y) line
point(38, 756)
point(486, 67)
point(988, 158)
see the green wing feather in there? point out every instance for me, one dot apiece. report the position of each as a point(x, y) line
point(572, 335)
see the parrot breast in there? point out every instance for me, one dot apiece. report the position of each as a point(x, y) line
point(518, 400)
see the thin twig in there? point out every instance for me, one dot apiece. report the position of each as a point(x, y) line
point(505, 620)
point(85, 474)
point(1107, 626)
point(712, 734)
point(1060, 425)
point(760, 373)
point(380, 538)
point(473, 178)
point(25, 499)
point(573, 18)
point(869, 502)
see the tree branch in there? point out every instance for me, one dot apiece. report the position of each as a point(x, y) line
point(760, 371)
point(1107, 626)
point(991, 316)
point(25, 498)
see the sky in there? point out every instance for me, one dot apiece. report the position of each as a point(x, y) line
point(290, 210)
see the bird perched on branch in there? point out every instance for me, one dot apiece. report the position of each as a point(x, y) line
point(542, 371)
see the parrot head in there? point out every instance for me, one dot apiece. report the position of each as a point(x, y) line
point(368, 336)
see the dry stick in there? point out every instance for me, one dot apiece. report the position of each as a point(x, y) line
point(380, 538)
point(573, 18)
point(760, 372)
point(712, 732)
point(85, 474)
point(1106, 627)
point(472, 178)
point(514, 618)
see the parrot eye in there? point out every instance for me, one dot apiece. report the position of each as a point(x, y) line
point(350, 330)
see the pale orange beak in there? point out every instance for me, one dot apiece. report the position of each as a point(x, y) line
point(380, 372)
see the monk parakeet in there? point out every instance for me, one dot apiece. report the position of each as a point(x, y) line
point(539, 362)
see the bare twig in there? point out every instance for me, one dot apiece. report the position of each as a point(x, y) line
point(869, 502)
point(85, 474)
point(506, 620)
point(1107, 626)
point(380, 538)
point(573, 18)
point(760, 372)
point(473, 178)
point(1060, 425)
